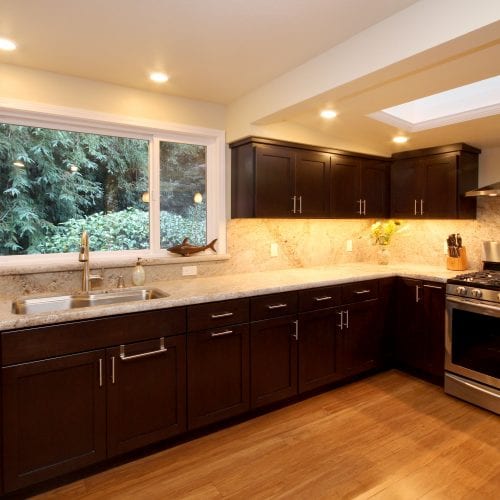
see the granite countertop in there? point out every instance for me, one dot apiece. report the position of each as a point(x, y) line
point(207, 289)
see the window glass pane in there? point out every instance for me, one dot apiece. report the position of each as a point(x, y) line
point(183, 212)
point(56, 183)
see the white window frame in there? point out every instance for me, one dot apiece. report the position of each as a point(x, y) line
point(78, 120)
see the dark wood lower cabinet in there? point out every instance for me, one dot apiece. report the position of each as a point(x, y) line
point(273, 360)
point(318, 357)
point(360, 338)
point(146, 386)
point(218, 374)
point(420, 330)
point(54, 417)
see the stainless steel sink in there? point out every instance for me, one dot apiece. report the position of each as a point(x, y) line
point(74, 301)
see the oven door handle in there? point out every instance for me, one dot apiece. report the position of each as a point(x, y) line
point(476, 305)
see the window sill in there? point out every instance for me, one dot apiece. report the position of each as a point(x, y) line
point(69, 262)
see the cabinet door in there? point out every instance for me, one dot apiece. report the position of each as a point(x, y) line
point(406, 188)
point(346, 186)
point(274, 181)
point(318, 360)
point(440, 198)
point(375, 188)
point(410, 337)
point(218, 375)
point(434, 313)
point(312, 177)
point(146, 393)
point(273, 365)
point(361, 338)
point(54, 417)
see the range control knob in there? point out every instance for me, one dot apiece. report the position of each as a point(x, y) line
point(476, 293)
point(461, 290)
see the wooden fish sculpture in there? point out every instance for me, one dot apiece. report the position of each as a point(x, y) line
point(186, 249)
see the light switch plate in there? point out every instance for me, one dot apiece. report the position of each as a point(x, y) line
point(348, 246)
point(274, 249)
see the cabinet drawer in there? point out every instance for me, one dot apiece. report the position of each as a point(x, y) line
point(273, 306)
point(359, 291)
point(319, 298)
point(215, 314)
point(30, 344)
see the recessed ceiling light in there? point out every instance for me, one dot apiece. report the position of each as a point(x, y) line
point(400, 139)
point(6, 44)
point(158, 77)
point(328, 114)
point(18, 163)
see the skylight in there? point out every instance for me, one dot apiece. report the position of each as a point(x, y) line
point(475, 100)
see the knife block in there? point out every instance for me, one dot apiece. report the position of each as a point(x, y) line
point(457, 263)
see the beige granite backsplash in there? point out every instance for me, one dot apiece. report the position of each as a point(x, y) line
point(301, 243)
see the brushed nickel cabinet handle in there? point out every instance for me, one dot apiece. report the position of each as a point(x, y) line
point(100, 372)
point(321, 299)
point(437, 287)
point(417, 295)
point(221, 334)
point(415, 208)
point(341, 324)
point(300, 204)
point(294, 198)
point(161, 350)
point(362, 292)
point(277, 306)
point(295, 335)
point(347, 318)
point(222, 315)
point(364, 207)
point(421, 207)
point(360, 211)
point(112, 369)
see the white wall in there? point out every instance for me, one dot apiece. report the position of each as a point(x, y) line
point(50, 88)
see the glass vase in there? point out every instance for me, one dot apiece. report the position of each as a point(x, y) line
point(383, 255)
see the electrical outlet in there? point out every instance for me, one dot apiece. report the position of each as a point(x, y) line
point(189, 270)
point(274, 249)
point(348, 246)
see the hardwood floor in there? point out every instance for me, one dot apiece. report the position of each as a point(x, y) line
point(390, 436)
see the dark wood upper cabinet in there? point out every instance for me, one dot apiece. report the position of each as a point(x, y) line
point(273, 178)
point(430, 183)
point(360, 187)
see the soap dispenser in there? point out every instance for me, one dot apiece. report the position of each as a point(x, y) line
point(138, 274)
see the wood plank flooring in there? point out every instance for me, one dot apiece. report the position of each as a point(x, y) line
point(390, 436)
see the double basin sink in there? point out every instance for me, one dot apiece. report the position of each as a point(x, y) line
point(79, 300)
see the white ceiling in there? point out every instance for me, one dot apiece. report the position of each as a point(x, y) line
point(220, 50)
point(213, 50)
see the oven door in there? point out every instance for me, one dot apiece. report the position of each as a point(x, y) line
point(472, 342)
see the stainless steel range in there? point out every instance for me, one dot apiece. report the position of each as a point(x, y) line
point(472, 342)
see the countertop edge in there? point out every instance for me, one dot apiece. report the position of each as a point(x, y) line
point(227, 287)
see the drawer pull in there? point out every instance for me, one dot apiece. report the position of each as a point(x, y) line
point(161, 350)
point(437, 287)
point(321, 299)
point(277, 306)
point(362, 292)
point(222, 315)
point(221, 334)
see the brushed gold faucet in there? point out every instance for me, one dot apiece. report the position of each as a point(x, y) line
point(83, 256)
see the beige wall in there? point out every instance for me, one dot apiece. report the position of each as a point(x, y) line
point(54, 89)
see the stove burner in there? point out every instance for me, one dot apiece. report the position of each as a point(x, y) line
point(481, 279)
